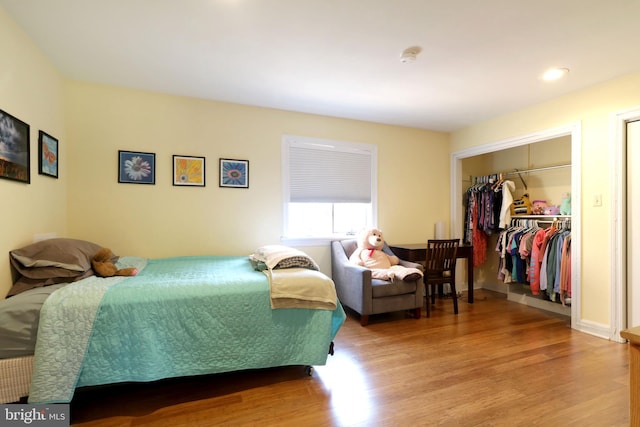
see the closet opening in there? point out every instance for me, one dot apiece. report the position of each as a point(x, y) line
point(543, 168)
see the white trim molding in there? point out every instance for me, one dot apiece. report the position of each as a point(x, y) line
point(618, 146)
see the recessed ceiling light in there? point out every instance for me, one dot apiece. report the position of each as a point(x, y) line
point(554, 74)
point(410, 54)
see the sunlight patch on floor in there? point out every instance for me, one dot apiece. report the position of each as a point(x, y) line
point(344, 379)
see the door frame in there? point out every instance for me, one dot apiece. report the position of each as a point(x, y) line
point(572, 129)
point(618, 146)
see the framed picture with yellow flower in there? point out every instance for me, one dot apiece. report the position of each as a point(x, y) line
point(188, 171)
point(136, 167)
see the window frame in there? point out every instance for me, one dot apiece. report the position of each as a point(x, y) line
point(308, 142)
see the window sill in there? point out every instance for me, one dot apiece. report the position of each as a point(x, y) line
point(314, 241)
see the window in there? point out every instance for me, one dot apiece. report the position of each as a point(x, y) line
point(329, 187)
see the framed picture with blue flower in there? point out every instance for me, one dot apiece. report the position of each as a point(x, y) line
point(47, 155)
point(136, 167)
point(234, 173)
point(188, 171)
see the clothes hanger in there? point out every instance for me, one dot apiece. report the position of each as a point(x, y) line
point(499, 182)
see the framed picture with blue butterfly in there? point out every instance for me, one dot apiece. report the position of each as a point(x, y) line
point(48, 157)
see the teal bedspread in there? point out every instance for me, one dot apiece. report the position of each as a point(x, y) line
point(177, 317)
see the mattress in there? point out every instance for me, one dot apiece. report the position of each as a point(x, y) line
point(19, 318)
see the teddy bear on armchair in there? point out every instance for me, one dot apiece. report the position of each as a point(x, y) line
point(383, 266)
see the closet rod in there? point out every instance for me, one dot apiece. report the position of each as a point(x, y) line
point(537, 169)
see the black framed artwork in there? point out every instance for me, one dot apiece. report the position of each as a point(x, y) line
point(48, 156)
point(234, 173)
point(14, 148)
point(188, 171)
point(136, 167)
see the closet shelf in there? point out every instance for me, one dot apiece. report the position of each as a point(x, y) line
point(539, 216)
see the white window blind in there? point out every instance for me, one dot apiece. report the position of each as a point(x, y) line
point(328, 171)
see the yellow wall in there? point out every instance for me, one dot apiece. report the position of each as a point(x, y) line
point(93, 122)
point(31, 90)
point(163, 220)
point(593, 108)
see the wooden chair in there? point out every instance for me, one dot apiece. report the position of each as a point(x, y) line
point(440, 268)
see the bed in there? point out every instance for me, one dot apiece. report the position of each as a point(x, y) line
point(178, 316)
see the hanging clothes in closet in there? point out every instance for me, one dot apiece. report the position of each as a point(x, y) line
point(538, 257)
point(487, 204)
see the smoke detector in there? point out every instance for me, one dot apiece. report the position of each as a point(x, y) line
point(410, 54)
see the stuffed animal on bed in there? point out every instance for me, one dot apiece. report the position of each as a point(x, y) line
point(103, 266)
point(383, 266)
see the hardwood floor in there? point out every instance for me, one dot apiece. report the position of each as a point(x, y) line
point(497, 363)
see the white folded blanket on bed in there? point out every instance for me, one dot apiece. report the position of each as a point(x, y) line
point(301, 288)
point(278, 256)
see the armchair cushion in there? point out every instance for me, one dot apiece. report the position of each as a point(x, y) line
point(386, 288)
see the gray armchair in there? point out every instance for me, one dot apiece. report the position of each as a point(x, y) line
point(358, 291)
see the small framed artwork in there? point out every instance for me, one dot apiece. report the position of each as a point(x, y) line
point(234, 173)
point(188, 171)
point(47, 155)
point(14, 148)
point(135, 167)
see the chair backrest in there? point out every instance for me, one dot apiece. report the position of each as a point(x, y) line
point(441, 255)
point(349, 246)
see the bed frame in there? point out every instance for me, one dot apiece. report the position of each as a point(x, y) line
point(15, 378)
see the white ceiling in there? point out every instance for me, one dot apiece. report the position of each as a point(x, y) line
point(480, 58)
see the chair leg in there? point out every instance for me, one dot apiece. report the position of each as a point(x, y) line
point(427, 300)
point(454, 296)
point(364, 320)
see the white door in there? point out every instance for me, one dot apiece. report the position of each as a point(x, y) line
point(633, 224)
